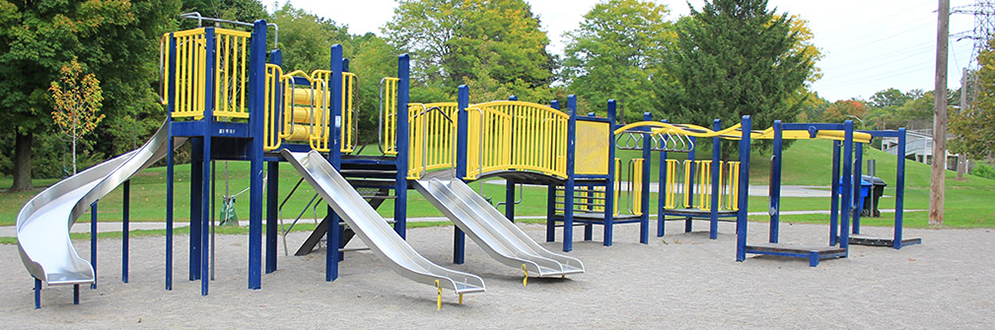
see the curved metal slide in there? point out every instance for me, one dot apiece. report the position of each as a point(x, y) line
point(44, 222)
point(390, 248)
point(497, 235)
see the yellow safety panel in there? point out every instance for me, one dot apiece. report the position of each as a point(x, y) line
point(592, 148)
point(299, 133)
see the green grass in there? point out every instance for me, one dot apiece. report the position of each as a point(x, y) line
point(968, 202)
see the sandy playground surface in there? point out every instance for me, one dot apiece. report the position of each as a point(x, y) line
point(679, 281)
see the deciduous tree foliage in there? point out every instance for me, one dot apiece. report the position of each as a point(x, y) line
point(734, 58)
point(453, 40)
point(77, 103)
point(975, 125)
point(616, 52)
point(841, 111)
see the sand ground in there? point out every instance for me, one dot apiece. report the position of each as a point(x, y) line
point(683, 280)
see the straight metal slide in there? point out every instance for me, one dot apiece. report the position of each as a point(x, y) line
point(497, 235)
point(44, 222)
point(373, 229)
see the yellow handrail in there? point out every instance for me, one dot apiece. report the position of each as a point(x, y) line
point(271, 130)
point(515, 135)
point(431, 135)
point(230, 73)
point(669, 199)
point(189, 73)
point(348, 86)
point(388, 115)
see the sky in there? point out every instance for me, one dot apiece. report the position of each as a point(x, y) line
point(869, 45)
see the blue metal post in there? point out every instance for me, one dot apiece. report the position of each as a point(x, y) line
point(610, 182)
point(900, 189)
point(689, 185)
point(196, 208)
point(744, 189)
point(333, 233)
point(551, 197)
point(509, 186)
point(847, 184)
point(568, 189)
point(257, 87)
point(713, 228)
point(272, 192)
point(834, 209)
point(858, 150)
point(775, 183)
point(93, 241)
point(125, 215)
point(401, 188)
point(462, 131)
point(205, 180)
point(644, 220)
point(75, 294)
point(38, 293)
point(170, 67)
point(662, 191)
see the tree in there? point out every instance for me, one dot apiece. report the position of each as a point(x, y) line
point(451, 39)
point(844, 110)
point(975, 125)
point(77, 102)
point(735, 58)
point(616, 52)
point(889, 98)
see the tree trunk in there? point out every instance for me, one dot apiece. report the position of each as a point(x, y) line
point(22, 163)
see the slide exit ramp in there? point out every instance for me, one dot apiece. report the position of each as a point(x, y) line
point(497, 235)
point(44, 222)
point(373, 229)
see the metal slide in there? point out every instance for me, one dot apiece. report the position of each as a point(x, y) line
point(497, 235)
point(390, 248)
point(44, 222)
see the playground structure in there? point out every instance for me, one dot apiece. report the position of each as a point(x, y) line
point(229, 103)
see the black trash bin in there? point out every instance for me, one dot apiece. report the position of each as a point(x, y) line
point(877, 190)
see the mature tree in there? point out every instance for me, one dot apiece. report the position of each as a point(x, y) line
point(306, 39)
point(77, 103)
point(451, 39)
point(115, 38)
point(236, 10)
point(975, 125)
point(844, 110)
point(616, 52)
point(735, 58)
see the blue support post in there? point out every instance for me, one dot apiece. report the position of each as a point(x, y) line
point(900, 189)
point(834, 209)
point(205, 180)
point(272, 193)
point(662, 192)
point(257, 87)
point(509, 193)
point(610, 182)
point(196, 175)
point(93, 242)
point(170, 66)
point(689, 185)
point(551, 197)
point(333, 234)
point(847, 200)
point(75, 295)
point(775, 183)
point(38, 293)
point(858, 150)
point(125, 215)
point(744, 189)
point(644, 220)
point(713, 226)
point(401, 185)
point(568, 189)
point(462, 131)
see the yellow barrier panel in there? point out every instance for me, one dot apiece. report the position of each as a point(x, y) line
point(432, 133)
point(734, 186)
point(230, 73)
point(514, 135)
point(271, 129)
point(348, 101)
point(388, 115)
point(636, 186)
point(669, 200)
point(189, 73)
point(688, 168)
point(618, 186)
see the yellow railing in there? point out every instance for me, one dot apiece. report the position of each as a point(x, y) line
point(271, 127)
point(635, 186)
point(231, 73)
point(728, 184)
point(388, 115)
point(514, 135)
point(432, 137)
point(348, 105)
point(190, 73)
point(670, 200)
point(305, 110)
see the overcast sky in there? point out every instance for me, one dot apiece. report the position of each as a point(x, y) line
point(869, 45)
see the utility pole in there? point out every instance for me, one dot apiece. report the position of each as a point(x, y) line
point(937, 183)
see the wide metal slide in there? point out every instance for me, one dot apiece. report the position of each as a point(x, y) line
point(497, 235)
point(373, 229)
point(44, 222)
